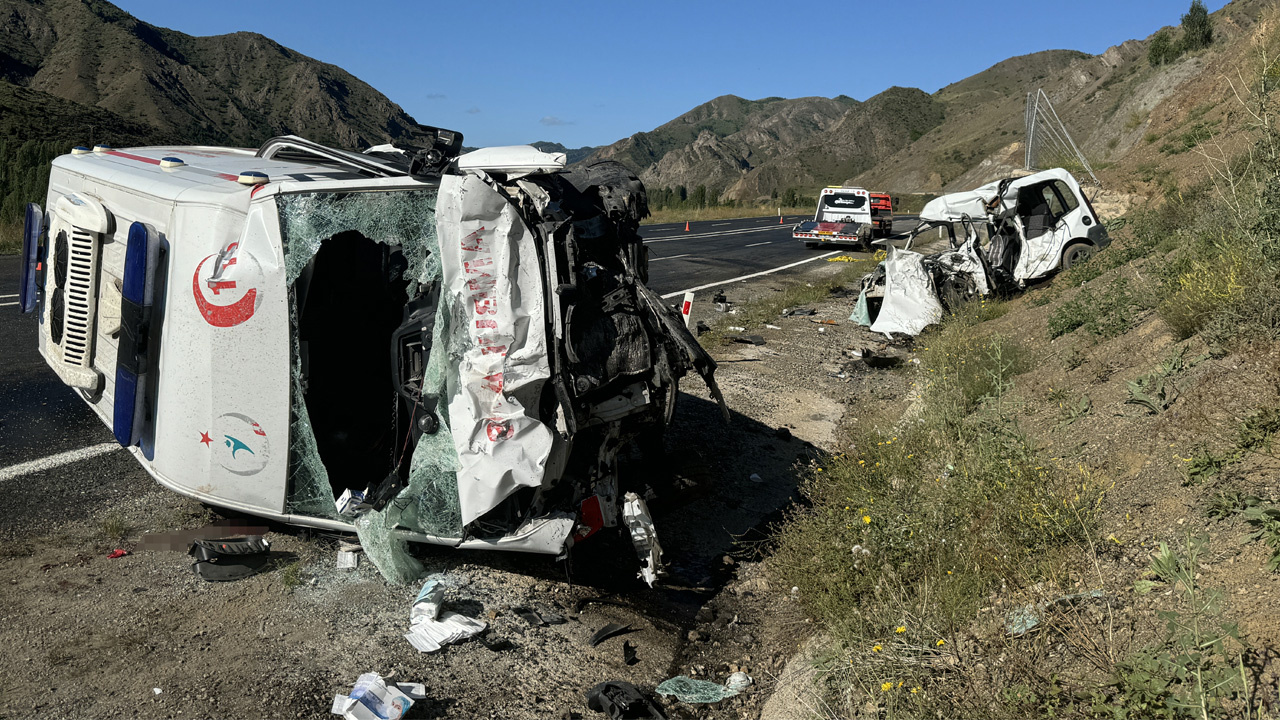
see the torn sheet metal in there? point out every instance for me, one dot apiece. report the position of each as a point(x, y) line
point(635, 513)
point(491, 273)
point(953, 207)
point(910, 300)
point(965, 262)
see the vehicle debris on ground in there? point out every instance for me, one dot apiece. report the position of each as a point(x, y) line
point(689, 690)
point(430, 628)
point(624, 701)
point(376, 698)
point(228, 559)
point(1033, 227)
point(610, 630)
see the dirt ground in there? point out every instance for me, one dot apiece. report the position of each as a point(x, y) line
point(142, 636)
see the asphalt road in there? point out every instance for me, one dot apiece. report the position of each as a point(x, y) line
point(40, 416)
point(716, 251)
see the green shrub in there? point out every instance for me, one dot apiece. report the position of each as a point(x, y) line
point(1105, 314)
point(1205, 287)
point(1162, 49)
point(1197, 27)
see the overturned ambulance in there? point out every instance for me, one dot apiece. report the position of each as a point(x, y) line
point(462, 345)
point(1033, 227)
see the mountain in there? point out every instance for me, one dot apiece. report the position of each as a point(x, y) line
point(865, 134)
point(572, 155)
point(1135, 122)
point(716, 143)
point(237, 89)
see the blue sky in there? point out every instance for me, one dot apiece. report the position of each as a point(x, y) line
point(590, 73)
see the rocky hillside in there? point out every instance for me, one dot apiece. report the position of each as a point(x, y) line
point(572, 155)
point(1137, 123)
point(717, 143)
point(240, 88)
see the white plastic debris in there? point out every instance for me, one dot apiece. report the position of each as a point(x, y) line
point(373, 698)
point(156, 691)
point(430, 598)
point(429, 628)
point(349, 501)
point(755, 477)
point(635, 513)
point(737, 682)
point(735, 328)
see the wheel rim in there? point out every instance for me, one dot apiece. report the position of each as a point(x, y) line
point(1077, 254)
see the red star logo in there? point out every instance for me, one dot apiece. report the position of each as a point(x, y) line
point(204, 438)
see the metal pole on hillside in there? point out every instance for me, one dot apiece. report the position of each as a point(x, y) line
point(1044, 125)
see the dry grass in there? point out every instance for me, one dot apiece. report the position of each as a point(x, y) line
point(676, 215)
point(754, 314)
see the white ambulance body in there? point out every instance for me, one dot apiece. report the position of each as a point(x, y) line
point(195, 296)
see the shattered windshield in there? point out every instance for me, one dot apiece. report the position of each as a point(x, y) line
point(401, 217)
point(843, 202)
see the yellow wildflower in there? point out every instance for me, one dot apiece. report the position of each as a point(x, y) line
point(866, 519)
point(940, 643)
point(875, 648)
point(900, 629)
point(886, 687)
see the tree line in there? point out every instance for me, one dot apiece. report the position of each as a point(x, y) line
point(24, 175)
point(681, 198)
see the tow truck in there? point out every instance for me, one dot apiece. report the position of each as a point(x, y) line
point(882, 207)
point(843, 216)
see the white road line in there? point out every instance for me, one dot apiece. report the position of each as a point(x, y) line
point(719, 224)
point(2, 297)
point(752, 275)
point(669, 257)
point(766, 242)
point(8, 304)
point(722, 233)
point(54, 461)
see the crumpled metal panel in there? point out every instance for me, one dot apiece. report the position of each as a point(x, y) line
point(491, 273)
point(964, 260)
point(910, 300)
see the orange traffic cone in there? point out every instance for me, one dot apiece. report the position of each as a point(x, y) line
point(686, 226)
point(779, 219)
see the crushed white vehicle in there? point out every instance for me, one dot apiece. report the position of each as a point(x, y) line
point(459, 347)
point(1034, 226)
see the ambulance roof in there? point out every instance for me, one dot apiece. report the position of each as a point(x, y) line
point(202, 173)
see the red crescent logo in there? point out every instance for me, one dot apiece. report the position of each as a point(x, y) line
point(222, 315)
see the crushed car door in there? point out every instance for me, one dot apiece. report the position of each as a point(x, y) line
point(493, 281)
point(910, 298)
point(1041, 211)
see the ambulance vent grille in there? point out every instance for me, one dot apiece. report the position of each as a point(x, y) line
point(78, 334)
